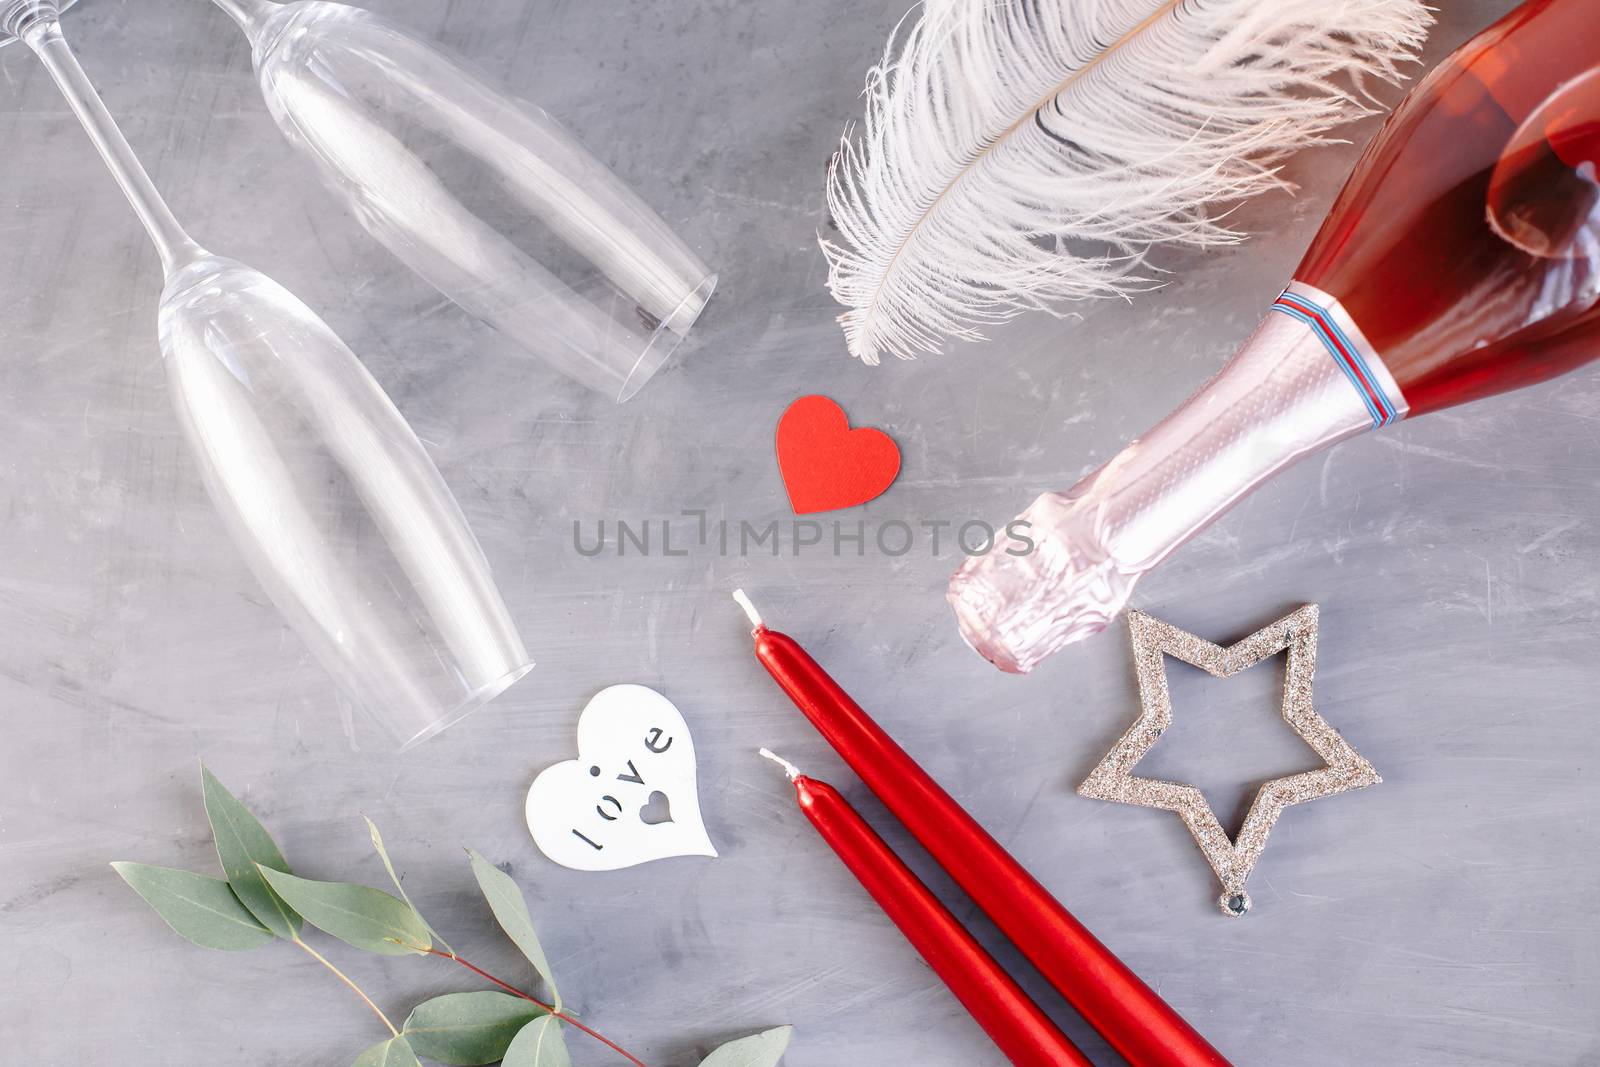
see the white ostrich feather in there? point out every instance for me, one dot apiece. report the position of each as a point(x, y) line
point(1008, 136)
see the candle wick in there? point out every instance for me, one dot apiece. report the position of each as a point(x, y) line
point(789, 768)
point(749, 608)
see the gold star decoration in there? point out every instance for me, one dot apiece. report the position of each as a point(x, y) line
point(1232, 860)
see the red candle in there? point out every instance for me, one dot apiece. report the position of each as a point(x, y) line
point(1110, 997)
point(1020, 1030)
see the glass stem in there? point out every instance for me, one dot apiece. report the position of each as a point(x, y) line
point(249, 14)
point(173, 245)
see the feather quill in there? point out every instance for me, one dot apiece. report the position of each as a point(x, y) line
point(1022, 153)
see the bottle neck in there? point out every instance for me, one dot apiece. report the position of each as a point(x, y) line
point(1290, 391)
point(1303, 381)
point(38, 28)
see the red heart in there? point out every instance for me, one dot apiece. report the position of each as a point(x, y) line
point(825, 464)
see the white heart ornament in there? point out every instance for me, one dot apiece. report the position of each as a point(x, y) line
point(630, 796)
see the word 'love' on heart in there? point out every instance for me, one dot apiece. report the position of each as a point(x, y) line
point(631, 794)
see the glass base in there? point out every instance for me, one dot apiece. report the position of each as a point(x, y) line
point(474, 700)
point(6, 38)
point(666, 339)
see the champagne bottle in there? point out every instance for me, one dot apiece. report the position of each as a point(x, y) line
point(1461, 260)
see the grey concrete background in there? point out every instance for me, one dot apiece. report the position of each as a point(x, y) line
point(1443, 918)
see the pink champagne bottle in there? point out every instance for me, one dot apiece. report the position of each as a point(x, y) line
point(1461, 260)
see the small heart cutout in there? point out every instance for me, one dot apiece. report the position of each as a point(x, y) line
point(827, 465)
point(658, 811)
point(635, 755)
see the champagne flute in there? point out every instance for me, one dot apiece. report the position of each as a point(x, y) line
point(491, 201)
point(329, 495)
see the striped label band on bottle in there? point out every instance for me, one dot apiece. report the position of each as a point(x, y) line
point(1344, 341)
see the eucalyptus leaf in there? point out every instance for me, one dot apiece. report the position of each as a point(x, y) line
point(758, 1050)
point(466, 1029)
point(388, 865)
point(395, 1052)
point(511, 912)
point(539, 1044)
point(201, 908)
point(356, 914)
point(244, 846)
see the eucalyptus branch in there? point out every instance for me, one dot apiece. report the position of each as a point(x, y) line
point(261, 902)
point(563, 1016)
point(320, 958)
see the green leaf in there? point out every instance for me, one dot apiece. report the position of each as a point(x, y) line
point(388, 865)
point(199, 907)
point(395, 1052)
point(758, 1050)
point(366, 918)
point(466, 1029)
point(243, 846)
point(539, 1044)
point(511, 912)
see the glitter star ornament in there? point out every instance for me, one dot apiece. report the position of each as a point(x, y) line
point(1231, 859)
